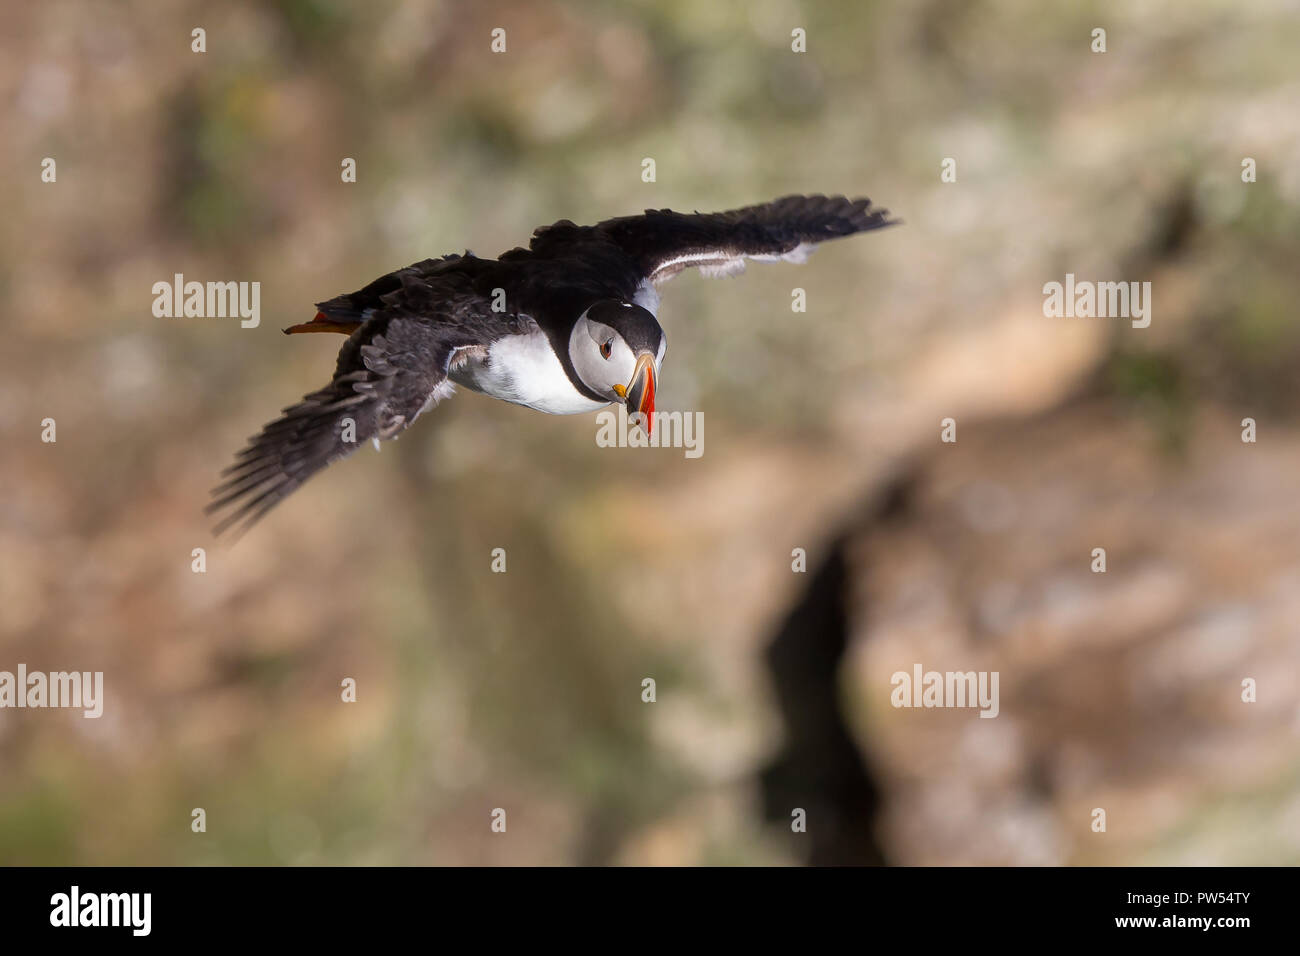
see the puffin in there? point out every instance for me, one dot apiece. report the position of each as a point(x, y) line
point(566, 326)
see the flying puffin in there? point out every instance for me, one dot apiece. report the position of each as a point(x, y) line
point(567, 325)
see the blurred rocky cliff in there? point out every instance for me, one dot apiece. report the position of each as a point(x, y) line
point(523, 690)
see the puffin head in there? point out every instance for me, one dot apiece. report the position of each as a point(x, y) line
point(616, 348)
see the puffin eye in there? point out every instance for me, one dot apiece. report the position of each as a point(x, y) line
point(607, 348)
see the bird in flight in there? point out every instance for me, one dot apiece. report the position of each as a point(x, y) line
point(567, 325)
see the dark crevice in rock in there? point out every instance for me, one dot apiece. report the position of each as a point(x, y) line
point(820, 768)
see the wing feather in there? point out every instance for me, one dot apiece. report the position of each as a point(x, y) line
point(390, 369)
point(662, 243)
point(397, 362)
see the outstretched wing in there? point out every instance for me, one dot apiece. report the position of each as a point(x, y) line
point(391, 368)
point(662, 243)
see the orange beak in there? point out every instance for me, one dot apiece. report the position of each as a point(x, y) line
point(640, 392)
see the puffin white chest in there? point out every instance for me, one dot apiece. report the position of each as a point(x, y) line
point(525, 370)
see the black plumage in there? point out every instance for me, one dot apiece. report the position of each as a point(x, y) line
point(407, 327)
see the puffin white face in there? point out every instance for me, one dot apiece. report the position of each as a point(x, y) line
point(601, 357)
point(609, 365)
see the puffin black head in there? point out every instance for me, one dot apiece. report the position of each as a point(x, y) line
point(616, 348)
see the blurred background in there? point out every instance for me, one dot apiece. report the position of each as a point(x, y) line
point(522, 690)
